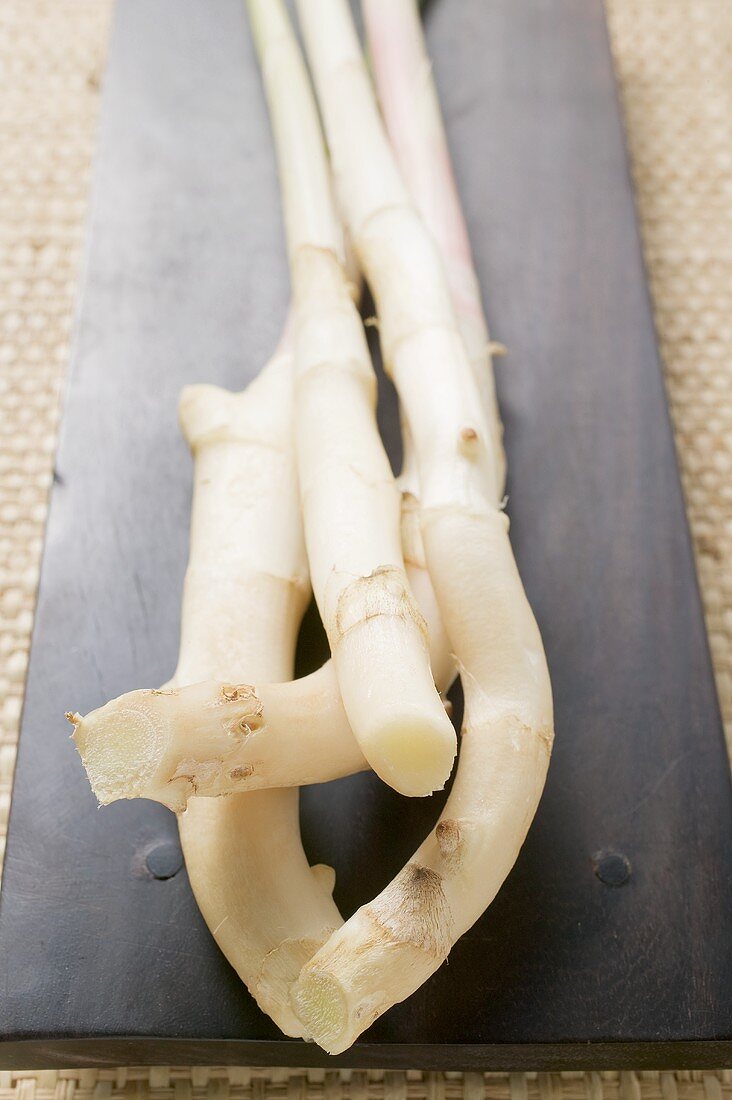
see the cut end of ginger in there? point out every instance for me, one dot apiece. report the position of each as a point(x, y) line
point(412, 755)
point(121, 747)
point(321, 1006)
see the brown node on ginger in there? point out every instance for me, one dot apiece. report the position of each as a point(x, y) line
point(243, 771)
point(382, 592)
point(546, 736)
point(368, 1009)
point(468, 441)
point(413, 910)
point(450, 842)
point(249, 723)
point(252, 717)
point(232, 692)
point(497, 349)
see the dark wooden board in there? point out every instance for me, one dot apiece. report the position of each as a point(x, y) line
point(99, 961)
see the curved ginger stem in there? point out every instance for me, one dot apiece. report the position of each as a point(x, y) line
point(392, 945)
point(245, 591)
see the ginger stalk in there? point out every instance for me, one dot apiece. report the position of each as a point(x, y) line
point(350, 502)
point(393, 944)
point(410, 107)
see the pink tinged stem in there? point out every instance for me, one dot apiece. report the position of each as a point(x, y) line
point(414, 123)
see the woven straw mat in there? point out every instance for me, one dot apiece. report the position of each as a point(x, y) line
point(674, 61)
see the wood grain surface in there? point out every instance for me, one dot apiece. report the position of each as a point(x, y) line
point(611, 942)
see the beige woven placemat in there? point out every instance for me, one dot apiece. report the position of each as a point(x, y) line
point(674, 62)
point(674, 59)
